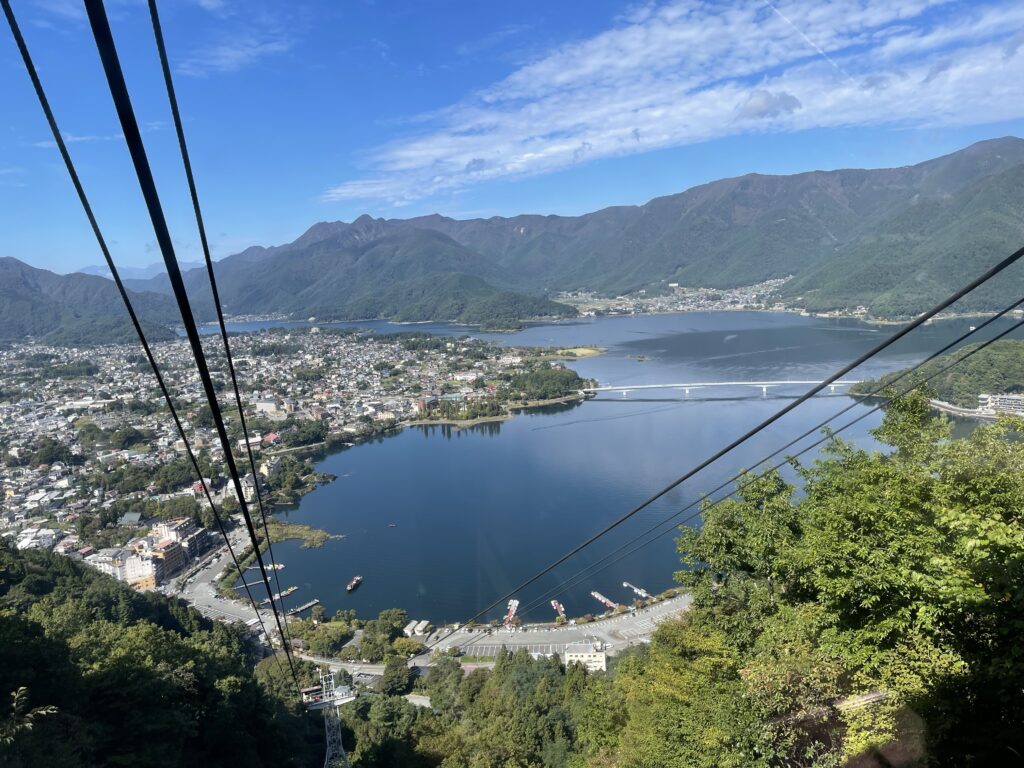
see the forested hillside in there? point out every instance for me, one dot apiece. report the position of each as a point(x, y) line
point(74, 309)
point(893, 239)
point(874, 617)
point(369, 269)
point(129, 679)
point(997, 369)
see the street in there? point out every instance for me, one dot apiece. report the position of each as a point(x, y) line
point(200, 591)
point(615, 633)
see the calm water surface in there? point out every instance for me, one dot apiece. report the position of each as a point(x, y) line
point(476, 511)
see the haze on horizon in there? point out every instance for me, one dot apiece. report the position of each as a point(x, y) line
point(316, 111)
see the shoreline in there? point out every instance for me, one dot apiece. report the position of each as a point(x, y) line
point(477, 328)
point(513, 409)
point(941, 406)
point(965, 413)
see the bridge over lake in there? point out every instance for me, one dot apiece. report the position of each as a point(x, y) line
point(687, 386)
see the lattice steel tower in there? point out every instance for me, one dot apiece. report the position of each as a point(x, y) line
point(328, 698)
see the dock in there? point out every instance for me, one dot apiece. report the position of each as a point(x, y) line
point(303, 607)
point(279, 596)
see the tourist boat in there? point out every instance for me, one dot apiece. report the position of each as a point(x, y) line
point(356, 581)
point(392, 525)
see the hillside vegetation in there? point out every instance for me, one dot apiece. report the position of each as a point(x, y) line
point(74, 309)
point(872, 620)
point(130, 679)
point(893, 239)
point(997, 369)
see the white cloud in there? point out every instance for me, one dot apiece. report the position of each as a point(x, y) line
point(767, 104)
point(77, 138)
point(67, 9)
point(682, 72)
point(232, 55)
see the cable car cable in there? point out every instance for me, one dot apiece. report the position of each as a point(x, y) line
point(590, 571)
point(857, 401)
point(87, 207)
point(186, 161)
point(133, 139)
point(836, 376)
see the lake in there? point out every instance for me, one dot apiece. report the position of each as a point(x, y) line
point(441, 522)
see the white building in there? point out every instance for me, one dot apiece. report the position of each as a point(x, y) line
point(589, 655)
point(1002, 403)
point(110, 561)
point(141, 569)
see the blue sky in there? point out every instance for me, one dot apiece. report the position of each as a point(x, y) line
point(300, 112)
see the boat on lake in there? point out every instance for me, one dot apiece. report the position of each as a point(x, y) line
point(356, 581)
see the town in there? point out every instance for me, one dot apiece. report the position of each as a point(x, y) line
point(670, 296)
point(95, 470)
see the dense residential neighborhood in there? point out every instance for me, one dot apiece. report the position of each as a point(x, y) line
point(95, 469)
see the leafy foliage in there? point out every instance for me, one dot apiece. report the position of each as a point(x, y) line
point(136, 679)
point(997, 369)
point(873, 617)
point(546, 382)
point(897, 579)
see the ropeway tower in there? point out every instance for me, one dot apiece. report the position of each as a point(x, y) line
point(328, 698)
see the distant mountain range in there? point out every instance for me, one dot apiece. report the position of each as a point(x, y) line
point(137, 273)
point(894, 240)
point(74, 309)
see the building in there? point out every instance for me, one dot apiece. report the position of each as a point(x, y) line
point(172, 554)
point(197, 542)
point(270, 465)
point(110, 561)
point(249, 488)
point(130, 520)
point(143, 572)
point(1003, 403)
point(588, 654)
point(178, 529)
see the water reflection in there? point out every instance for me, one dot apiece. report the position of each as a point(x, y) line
point(481, 509)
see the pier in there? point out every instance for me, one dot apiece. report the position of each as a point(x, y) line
point(303, 607)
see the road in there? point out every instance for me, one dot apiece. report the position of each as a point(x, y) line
point(615, 633)
point(200, 591)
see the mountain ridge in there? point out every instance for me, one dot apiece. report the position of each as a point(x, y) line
point(75, 309)
point(892, 240)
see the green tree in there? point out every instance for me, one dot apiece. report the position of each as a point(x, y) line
point(397, 677)
point(895, 579)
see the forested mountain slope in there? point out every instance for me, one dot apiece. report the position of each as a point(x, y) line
point(75, 308)
point(894, 239)
point(134, 679)
point(997, 369)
